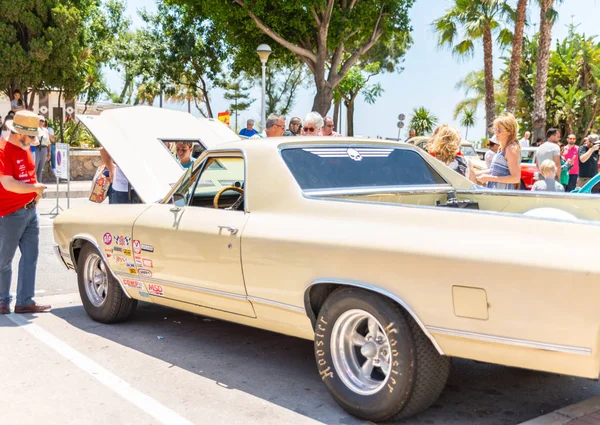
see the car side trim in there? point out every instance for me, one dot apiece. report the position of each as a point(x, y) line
point(277, 304)
point(385, 294)
point(224, 294)
point(512, 341)
point(95, 245)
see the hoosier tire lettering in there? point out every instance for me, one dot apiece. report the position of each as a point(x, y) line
point(373, 357)
point(324, 368)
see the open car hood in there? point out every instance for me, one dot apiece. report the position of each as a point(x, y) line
point(133, 137)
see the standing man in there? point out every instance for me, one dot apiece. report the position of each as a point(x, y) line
point(295, 127)
point(328, 127)
point(275, 125)
point(549, 149)
point(19, 194)
point(588, 159)
point(524, 142)
point(571, 152)
point(42, 151)
point(249, 131)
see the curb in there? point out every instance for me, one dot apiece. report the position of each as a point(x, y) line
point(567, 414)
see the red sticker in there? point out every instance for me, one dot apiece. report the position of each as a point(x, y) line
point(137, 247)
point(107, 238)
point(147, 263)
point(155, 289)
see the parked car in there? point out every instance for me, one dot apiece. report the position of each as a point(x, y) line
point(529, 171)
point(359, 245)
point(592, 186)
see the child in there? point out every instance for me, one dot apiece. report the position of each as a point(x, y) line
point(548, 183)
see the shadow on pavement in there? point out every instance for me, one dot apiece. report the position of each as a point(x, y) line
point(281, 370)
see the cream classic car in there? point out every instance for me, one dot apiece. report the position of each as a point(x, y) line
point(361, 246)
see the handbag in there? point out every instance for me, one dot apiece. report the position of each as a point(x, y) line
point(100, 185)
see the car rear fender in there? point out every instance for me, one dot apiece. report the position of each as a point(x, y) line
point(318, 291)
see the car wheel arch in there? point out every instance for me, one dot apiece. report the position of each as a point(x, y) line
point(318, 291)
point(78, 242)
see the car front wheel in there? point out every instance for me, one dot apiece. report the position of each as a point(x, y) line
point(102, 297)
point(374, 359)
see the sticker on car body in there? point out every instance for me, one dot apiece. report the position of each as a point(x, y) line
point(130, 283)
point(144, 273)
point(155, 289)
point(147, 248)
point(147, 263)
point(107, 238)
point(137, 247)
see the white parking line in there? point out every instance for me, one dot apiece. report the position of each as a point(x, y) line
point(159, 412)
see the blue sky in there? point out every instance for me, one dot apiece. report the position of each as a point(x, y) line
point(429, 75)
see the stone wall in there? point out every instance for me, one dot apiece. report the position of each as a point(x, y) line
point(83, 165)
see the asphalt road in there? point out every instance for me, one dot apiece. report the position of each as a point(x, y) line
point(171, 367)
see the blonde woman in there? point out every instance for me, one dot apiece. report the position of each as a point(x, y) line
point(505, 171)
point(445, 146)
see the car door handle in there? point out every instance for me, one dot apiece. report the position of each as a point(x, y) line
point(231, 230)
point(175, 209)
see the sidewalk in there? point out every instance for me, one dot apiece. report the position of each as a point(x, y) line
point(585, 413)
point(78, 189)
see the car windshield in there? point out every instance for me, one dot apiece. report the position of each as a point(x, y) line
point(468, 151)
point(338, 167)
point(527, 156)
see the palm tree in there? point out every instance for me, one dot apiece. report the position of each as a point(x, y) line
point(473, 85)
point(422, 121)
point(515, 60)
point(478, 19)
point(568, 103)
point(547, 17)
point(468, 120)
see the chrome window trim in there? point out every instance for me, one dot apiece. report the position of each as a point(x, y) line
point(383, 292)
point(443, 188)
point(101, 253)
point(419, 152)
point(512, 341)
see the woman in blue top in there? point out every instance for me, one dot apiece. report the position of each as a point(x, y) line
point(505, 171)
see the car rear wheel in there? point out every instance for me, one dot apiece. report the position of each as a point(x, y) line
point(374, 359)
point(102, 297)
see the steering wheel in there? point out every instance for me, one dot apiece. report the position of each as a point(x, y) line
point(225, 189)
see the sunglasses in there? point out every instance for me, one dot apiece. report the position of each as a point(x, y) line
point(571, 138)
point(310, 129)
point(498, 130)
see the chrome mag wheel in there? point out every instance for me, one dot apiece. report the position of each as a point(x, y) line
point(361, 352)
point(95, 279)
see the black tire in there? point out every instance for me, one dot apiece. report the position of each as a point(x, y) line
point(417, 375)
point(117, 307)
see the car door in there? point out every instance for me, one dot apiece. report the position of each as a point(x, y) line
point(189, 250)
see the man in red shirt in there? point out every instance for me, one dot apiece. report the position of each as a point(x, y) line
point(19, 194)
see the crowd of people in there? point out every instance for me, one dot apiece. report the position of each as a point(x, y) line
point(313, 125)
point(562, 167)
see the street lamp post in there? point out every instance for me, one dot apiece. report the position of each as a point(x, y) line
point(263, 52)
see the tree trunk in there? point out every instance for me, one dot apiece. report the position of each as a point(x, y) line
point(541, 80)
point(189, 105)
point(336, 114)
point(349, 117)
point(488, 62)
point(323, 98)
point(467, 134)
point(515, 60)
point(31, 98)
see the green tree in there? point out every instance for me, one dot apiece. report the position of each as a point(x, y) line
point(422, 121)
point(189, 52)
point(357, 82)
point(473, 85)
point(48, 44)
point(468, 21)
point(330, 36)
point(240, 97)
point(282, 84)
point(468, 120)
point(568, 104)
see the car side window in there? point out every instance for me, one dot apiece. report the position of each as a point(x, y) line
point(220, 184)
